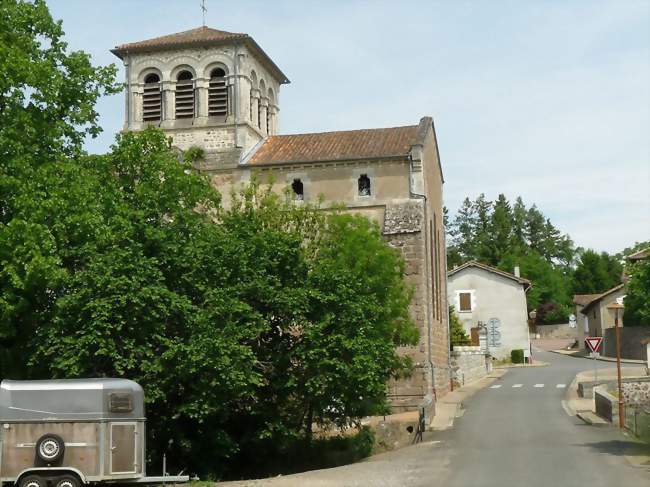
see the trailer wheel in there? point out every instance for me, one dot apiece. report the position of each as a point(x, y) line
point(32, 481)
point(68, 481)
point(50, 448)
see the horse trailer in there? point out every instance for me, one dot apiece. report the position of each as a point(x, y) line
point(65, 433)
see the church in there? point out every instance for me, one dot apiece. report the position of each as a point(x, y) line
point(220, 91)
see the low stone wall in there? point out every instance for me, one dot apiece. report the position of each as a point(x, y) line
point(636, 393)
point(467, 365)
point(636, 398)
point(586, 388)
point(606, 404)
point(556, 331)
point(631, 347)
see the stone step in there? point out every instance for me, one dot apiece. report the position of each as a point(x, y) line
point(592, 418)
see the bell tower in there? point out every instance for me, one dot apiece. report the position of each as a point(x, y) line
point(204, 87)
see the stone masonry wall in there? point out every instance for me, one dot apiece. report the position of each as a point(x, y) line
point(407, 394)
point(405, 229)
point(208, 138)
point(631, 347)
point(467, 365)
point(637, 393)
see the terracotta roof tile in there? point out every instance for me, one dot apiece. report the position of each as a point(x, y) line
point(598, 297)
point(336, 146)
point(199, 35)
point(640, 255)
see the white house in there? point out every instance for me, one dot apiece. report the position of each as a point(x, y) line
point(494, 299)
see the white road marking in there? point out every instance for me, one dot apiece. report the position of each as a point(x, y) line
point(539, 385)
point(517, 385)
point(561, 386)
point(495, 386)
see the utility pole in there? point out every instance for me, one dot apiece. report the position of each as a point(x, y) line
point(621, 405)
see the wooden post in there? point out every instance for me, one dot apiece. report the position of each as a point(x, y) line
point(621, 406)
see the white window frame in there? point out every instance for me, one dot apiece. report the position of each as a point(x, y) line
point(472, 300)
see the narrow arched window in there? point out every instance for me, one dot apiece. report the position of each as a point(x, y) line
point(298, 190)
point(218, 94)
point(184, 95)
point(152, 99)
point(269, 113)
point(364, 185)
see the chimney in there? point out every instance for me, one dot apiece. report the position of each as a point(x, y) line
point(517, 273)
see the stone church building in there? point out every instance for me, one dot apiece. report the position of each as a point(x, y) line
point(220, 91)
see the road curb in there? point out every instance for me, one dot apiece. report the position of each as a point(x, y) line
point(600, 359)
point(450, 406)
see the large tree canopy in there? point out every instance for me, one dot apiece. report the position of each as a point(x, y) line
point(245, 326)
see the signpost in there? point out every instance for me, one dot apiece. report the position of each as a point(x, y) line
point(572, 321)
point(594, 343)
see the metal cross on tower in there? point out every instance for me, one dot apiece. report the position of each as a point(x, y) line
point(203, 10)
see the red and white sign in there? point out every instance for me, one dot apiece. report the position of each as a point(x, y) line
point(594, 343)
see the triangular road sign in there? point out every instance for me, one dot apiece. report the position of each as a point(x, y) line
point(594, 343)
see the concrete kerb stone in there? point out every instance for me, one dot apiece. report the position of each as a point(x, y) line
point(512, 366)
point(579, 354)
point(450, 406)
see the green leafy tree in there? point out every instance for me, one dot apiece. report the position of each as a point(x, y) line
point(637, 298)
point(596, 273)
point(245, 326)
point(501, 230)
point(457, 333)
point(519, 225)
point(47, 95)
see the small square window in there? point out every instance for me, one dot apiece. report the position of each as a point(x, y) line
point(120, 402)
point(465, 301)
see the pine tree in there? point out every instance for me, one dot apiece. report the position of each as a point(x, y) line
point(519, 224)
point(482, 237)
point(462, 230)
point(535, 226)
point(501, 229)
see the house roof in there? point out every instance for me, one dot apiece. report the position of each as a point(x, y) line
point(200, 37)
point(640, 255)
point(336, 146)
point(599, 298)
point(584, 299)
point(525, 282)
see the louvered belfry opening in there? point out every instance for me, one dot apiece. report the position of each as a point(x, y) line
point(218, 94)
point(184, 95)
point(152, 99)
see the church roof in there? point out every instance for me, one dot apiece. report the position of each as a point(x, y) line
point(199, 37)
point(344, 145)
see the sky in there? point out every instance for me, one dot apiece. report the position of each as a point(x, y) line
point(547, 100)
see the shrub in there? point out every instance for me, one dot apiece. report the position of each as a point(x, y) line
point(457, 332)
point(517, 356)
point(193, 154)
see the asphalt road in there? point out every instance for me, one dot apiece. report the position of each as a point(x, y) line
point(516, 436)
point(513, 433)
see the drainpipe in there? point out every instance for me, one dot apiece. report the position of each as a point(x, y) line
point(127, 69)
point(237, 95)
point(413, 194)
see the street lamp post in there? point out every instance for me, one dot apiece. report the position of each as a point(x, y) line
point(532, 315)
point(621, 405)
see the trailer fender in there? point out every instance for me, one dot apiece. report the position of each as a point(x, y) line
point(51, 470)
